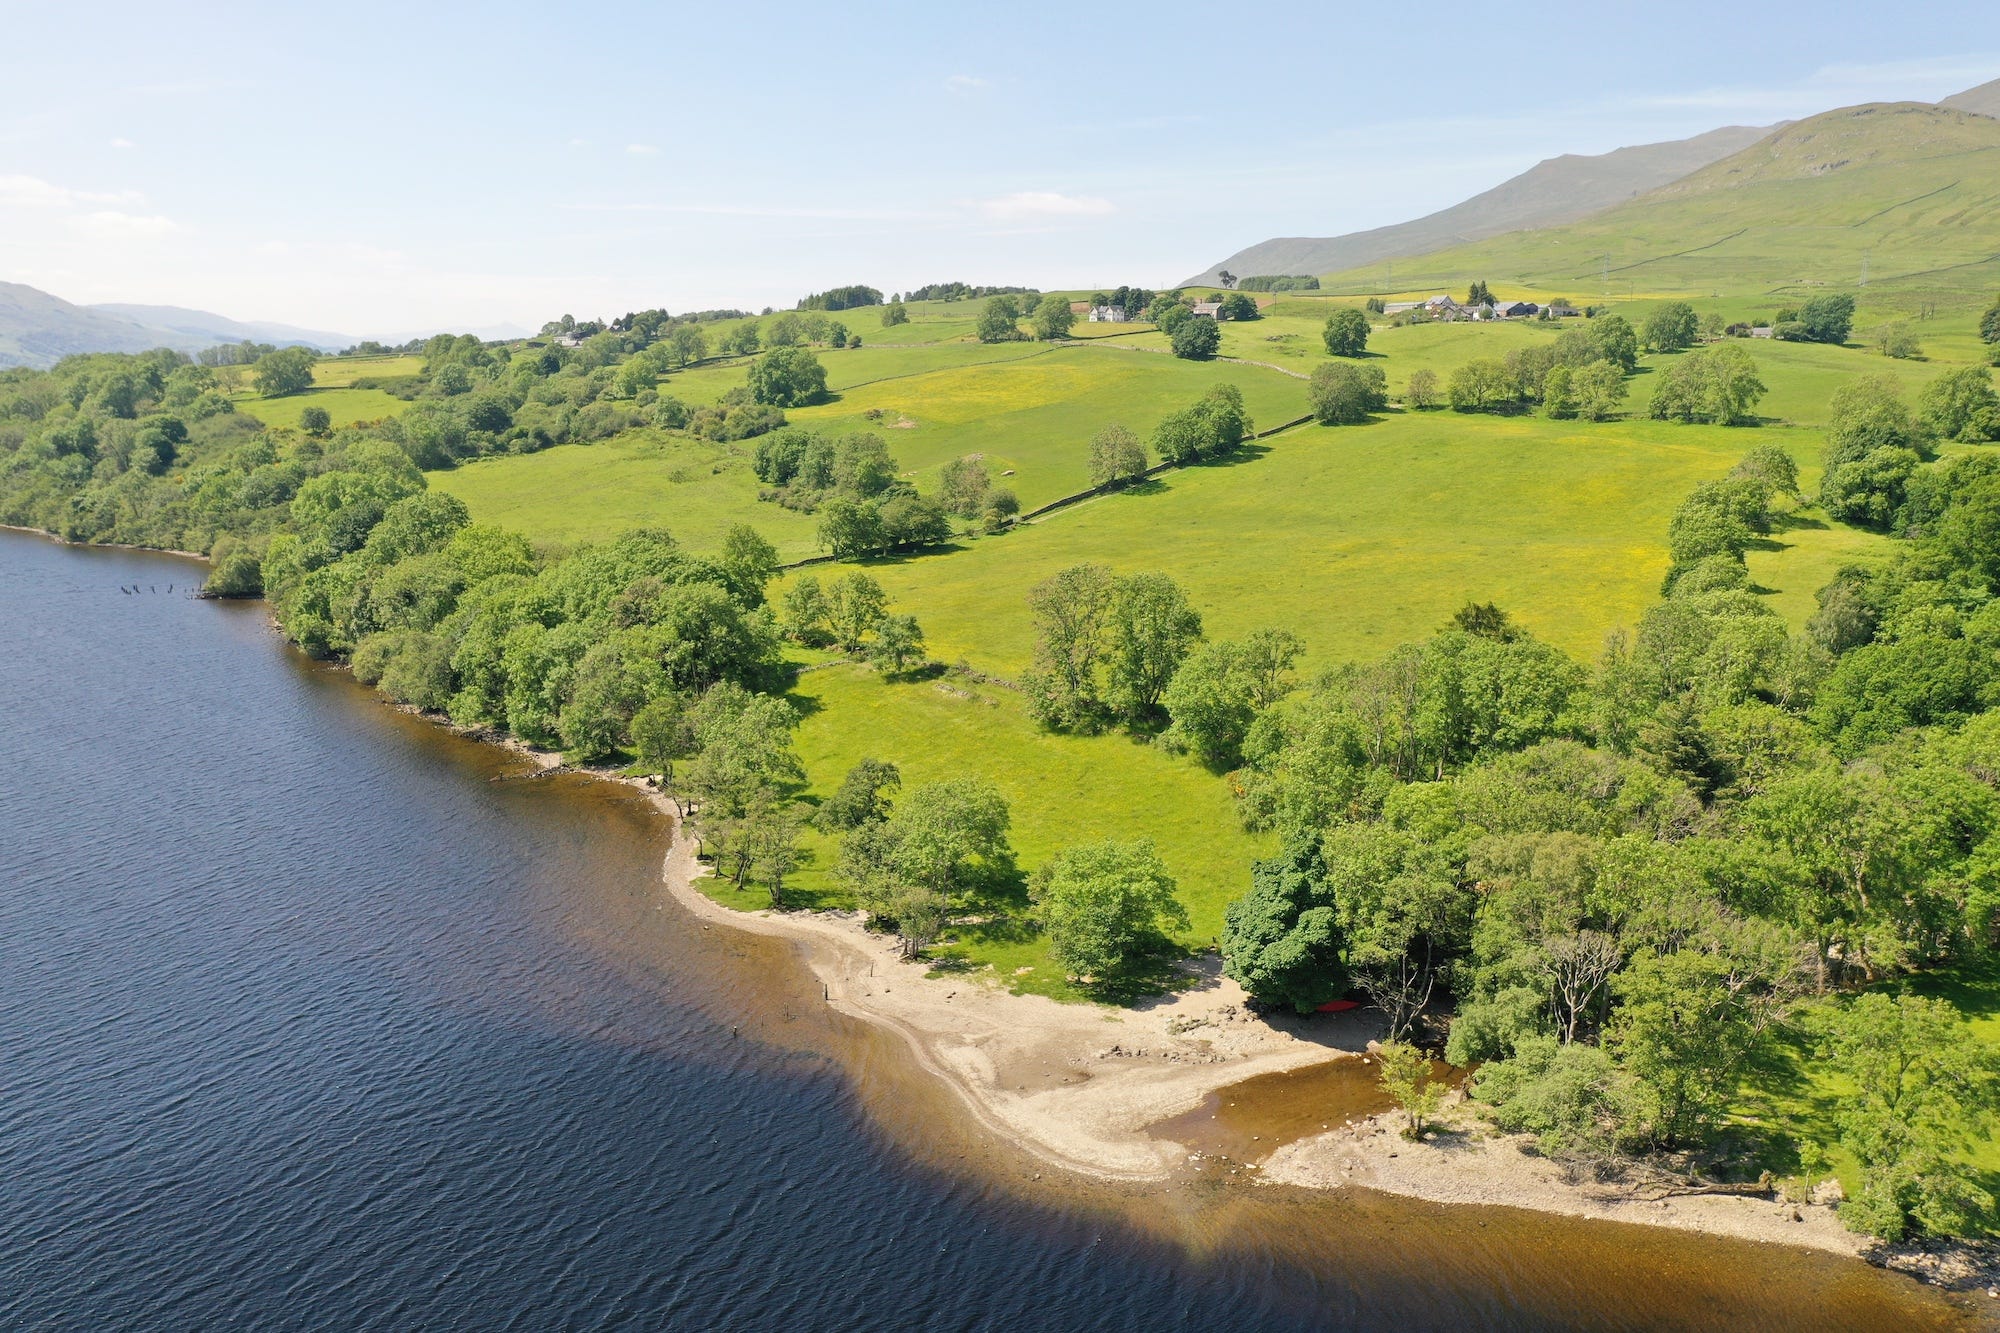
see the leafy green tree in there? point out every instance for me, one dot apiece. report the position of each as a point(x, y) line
point(1106, 905)
point(316, 422)
point(997, 322)
point(963, 485)
point(787, 376)
point(917, 869)
point(634, 377)
point(1571, 1096)
point(1346, 332)
point(1053, 318)
point(279, 374)
point(1961, 405)
point(1196, 339)
point(1169, 312)
point(893, 314)
point(1282, 940)
point(1718, 385)
point(768, 837)
point(1116, 456)
point(1919, 1088)
point(855, 605)
point(689, 343)
point(1481, 385)
point(1345, 395)
point(748, 562)
point(1900, 341)
point(1687, 1027)
point(1406, 1077)
point(863, 797)
point(851, 528)
point(659, 733)
point(1827, 318)
point(1002, 505)
point(787, 330)
point(898, 643)
point(1213, 427)
point(1672, 327)
point(1239, 306)
point(1210, 705)
point(1423, 392)
point(613, 681)
point(1148, 633)
point(807, 611)
point(1869, 491)
point(1071, 609)
point(1611, 338)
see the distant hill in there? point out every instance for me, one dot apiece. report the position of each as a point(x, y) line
point(1904, 196)
point(37, 329)
point(1561, 189)
point(1983, 100)
point(209, 328)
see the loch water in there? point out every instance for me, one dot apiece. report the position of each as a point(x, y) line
point(316, 1016)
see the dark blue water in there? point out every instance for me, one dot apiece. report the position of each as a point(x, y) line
point(314, 1017)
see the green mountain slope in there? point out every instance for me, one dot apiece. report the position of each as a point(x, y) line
point(1560, 189)
point(1902, 196)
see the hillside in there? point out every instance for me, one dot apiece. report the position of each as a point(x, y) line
point(1899, 197)
point(1983, 100)
point(38, 329)
point(1560, 189)
point(204, 328)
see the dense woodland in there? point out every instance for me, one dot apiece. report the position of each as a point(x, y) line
point(1617, 888)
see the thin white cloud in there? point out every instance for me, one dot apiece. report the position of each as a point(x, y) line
point(111, 223)
point(34, 192)
point(761, 211)
point(1045, 205)
point(641, 149)
point(122, 142)
point(964, 83)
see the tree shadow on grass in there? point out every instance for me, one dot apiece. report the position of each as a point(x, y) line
point(1250, 451)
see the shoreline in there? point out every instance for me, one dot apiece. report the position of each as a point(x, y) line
point(1081, 1087)
point(61, 540)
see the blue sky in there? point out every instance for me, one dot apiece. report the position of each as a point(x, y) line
point(379, 169)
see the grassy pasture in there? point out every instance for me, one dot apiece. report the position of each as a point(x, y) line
point(333, 389)
point(341, 372)
point(1361, 538)
point(644, 478)
point(1063, 790)
point(1027, 407)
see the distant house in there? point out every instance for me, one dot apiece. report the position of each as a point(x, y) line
point(1760, 331)
point(567, 340)
point(1398, 307)
point(1108, 314)
point(1519, 310)
point(1208, 309)
point(1560, 310)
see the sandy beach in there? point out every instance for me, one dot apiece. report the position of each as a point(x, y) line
point(1085, 1088)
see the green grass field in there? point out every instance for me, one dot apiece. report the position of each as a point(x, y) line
point(1029, 409)
point(333, 389)
point(1064, 790)
point(587, 492)
point(1360, 538)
